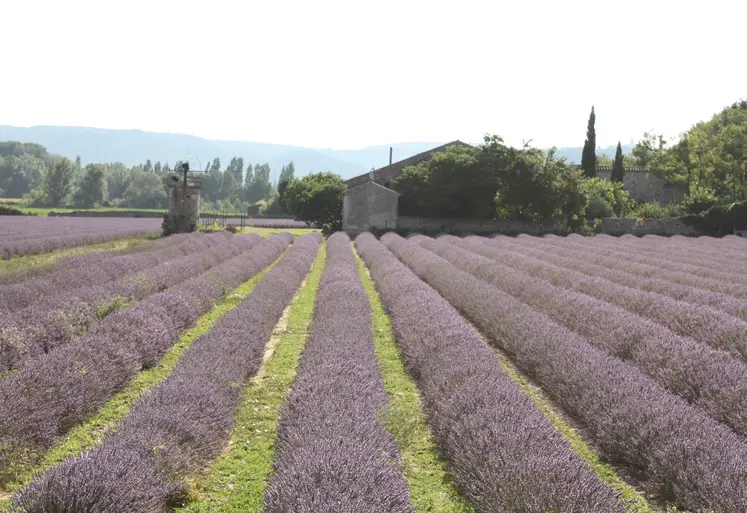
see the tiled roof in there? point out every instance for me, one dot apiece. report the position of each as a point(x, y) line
point(628, 169)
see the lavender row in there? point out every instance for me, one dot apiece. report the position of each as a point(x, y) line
point(581, 261)
point(333, 453)
point(97, 268)
point(653, 269)
point(54, 392)
point(682, 261)
point(725, 249)
point(88, 259)
point(708, 378)
point(188, 417)
point(703, 324)
point(675, 451)
point(58, 319)
point(503, 453)
point(25, 236)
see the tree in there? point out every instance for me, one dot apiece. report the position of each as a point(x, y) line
point(58, 181)
point(618, 168)
point(216, 165)
point(260, 188)
point(236, 169)
point(145, 190)
point(454, 183)
point(157, 168)
point(91, 188)
point(148, 167)
point(536, 185)
point(287, 173)
point(588, 156)
point(118, 178)
point(317, 199)
point(646, 149)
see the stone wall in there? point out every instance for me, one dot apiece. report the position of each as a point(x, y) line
point(663, 226)
point(479, 226)
point(644, 187)
point(369, 207)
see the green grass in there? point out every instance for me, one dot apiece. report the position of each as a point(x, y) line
point(268, 232)
point(431, 488)
point(46, 260)
point(90, 433)
point(634, 499)
point(237, 480)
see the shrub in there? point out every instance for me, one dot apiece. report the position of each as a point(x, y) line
point(599, 208)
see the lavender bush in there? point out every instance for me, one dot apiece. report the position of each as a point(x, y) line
point(700, 323)
point(503, 453)
point(333, 453)
point(188, 417)
point(55, 391)
point(711, 379)
point(58, 318)
point(22, 235)
point(583, 262)
point(674, 450)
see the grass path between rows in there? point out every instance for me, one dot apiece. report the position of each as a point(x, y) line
point(635, 501)
point(90, 433)
point(237, 479)
point(45, 260)
point(430, 485)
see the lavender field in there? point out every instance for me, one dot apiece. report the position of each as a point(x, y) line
point(27, 235)
point(213, 372)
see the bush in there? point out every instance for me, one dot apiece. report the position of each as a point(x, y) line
point(720, 219)
point(8, 211)
point(599, 208)
point(653, 210)
point(699, 202)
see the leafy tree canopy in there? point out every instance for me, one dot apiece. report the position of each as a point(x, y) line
point(317, 199)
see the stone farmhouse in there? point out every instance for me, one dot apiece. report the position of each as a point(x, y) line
point(370, 203)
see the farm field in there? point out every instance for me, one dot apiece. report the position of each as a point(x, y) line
point(275, 371)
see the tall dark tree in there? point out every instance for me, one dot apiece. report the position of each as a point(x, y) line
point(157, 168)
point(216, 165)
point(287, 173)
point(618, 167)
point(589, 155)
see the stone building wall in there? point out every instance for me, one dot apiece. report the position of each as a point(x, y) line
point(368, 207)
point(644, 187)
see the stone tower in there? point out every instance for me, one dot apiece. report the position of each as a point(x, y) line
point(184, 204)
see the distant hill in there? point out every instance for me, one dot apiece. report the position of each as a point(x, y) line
point(132, 147)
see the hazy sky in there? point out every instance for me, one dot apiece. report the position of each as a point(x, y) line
point(349, 74)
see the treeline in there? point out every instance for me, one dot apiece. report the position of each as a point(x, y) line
point(28, 171)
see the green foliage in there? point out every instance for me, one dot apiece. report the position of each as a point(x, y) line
point(145, 190)
point(699, 202)
point(655, 211)
point(535, 185)
point(317, 199)
point(609, 193)
point(454, 183)
point(287, 173)
point(720, 219)
point(599, 208)
point(647, 149)
point(618, 167)
point(58, 181)
point(91, 189)
point(588, 156)
point(711, 157)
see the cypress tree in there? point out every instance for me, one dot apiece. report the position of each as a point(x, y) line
point(589, 155)
point(618, 169)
